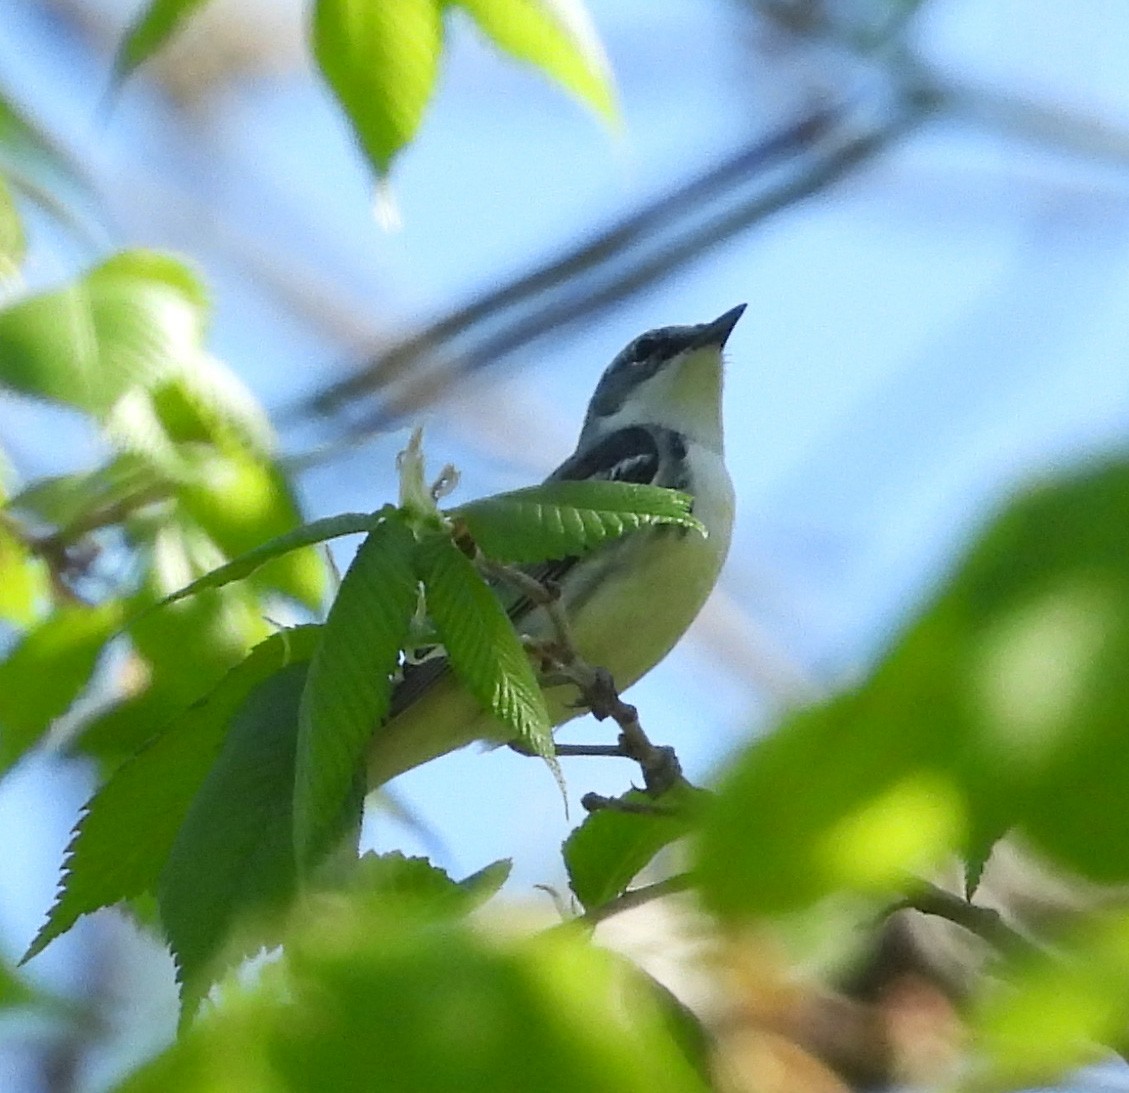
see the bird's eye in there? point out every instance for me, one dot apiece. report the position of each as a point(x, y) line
point(645, 346)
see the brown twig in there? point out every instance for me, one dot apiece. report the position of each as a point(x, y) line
point(561, 663)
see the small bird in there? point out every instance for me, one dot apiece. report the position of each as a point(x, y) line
point(655, 418)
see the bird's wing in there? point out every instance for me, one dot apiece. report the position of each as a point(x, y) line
point(627, 455)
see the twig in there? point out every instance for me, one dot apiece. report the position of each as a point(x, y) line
point(561, 663)
point(637, 897)
point(985, 922)
point(595, 802)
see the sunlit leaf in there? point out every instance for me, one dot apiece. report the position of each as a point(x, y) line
point(375, 995)
point(559, 519)
point(130, 321)
point(24, 581)
point(13, 245)
point(127, 829)
point(381, 61)
point(47, 670)
point(156, 23)
point(567, 51)
point(350, 684)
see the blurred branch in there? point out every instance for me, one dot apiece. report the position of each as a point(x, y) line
point(639, 250)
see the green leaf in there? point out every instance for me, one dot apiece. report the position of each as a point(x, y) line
point(482, 646)
point(381, 61)
point(72, 502)
point(1002, 706)
point(157, 22)
point(317, 531)
point(393, 877)
point(13, 244)
point(1046, 1014)
point(127, 829)
point(559, 519)
point(230, 874)
point(375, 996)
point(606, 852)
point(242, 501)
point(350, 686)
point(536, 32)
point(488, 881)
point(129, 322)
point(47, 670)
point(24, 581)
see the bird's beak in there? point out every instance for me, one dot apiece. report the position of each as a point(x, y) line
point(717, 332)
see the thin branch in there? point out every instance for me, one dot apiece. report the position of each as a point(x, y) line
point(985, 922)
point(637, 897)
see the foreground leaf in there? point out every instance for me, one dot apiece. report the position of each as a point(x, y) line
point(127, 829)
point(481, 643)
point(375, 995)
point(13, 244)
point(560, 519)
point(535, 31)
point(606, 852)
point(381, 61)
point(350, 684)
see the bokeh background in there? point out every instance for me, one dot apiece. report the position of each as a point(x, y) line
point(937, 282)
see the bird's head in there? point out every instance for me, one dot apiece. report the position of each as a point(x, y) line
point(670, 377)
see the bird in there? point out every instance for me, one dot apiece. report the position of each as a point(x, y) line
point(655, 418)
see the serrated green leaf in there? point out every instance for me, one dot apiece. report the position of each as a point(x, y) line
point(317, 531)
point(350, 685)
point(488, 881)
point(381, 879)
point(157, 22)
point(559, 519)
point(536, 32)
point(481, 643)
point(609, 849)
point(47, 671)
point(127, 829)
point(13, 244)
point(230, 874)
point(129, 322)
point(381, 61)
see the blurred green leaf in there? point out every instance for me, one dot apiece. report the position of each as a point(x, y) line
point(482, 646)
point(131, 321)
point(488, 881)
point(608, 850)
point(317, 531)
point(230, 873)
point(47, 670)
point(373, 995)
point(350, 686)
point(1047, 1014)
point(72, 502)
point(381, 61)
point(13, 245)
point(128, 828)
point(24, 581)
point(1005, 698)
point(248, 509)
point(559, 519)
point(154, 25)
point(566, 51)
